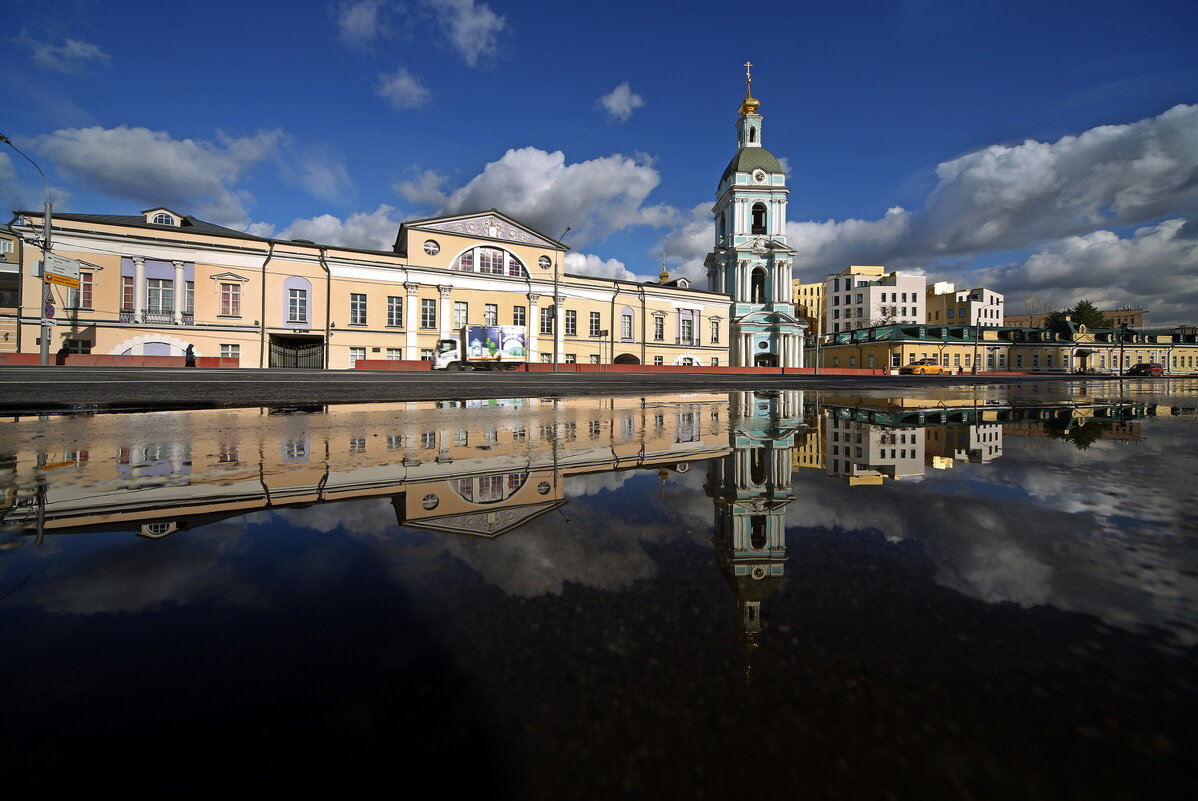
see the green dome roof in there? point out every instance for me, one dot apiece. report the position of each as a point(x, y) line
point(748, 159)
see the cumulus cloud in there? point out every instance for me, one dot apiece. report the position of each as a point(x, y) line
point(620, 102)
point(473, 28)
point(361, 23)
point(151, 167)
point(73, 56)
point(374, 230)
point(192, 175)
point(402, 89)
point(590, 264)
point(594, 198)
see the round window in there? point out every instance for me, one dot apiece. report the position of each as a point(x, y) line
point(544, 262)
point(543, 488)
point(763, 345)
point(430, 501)
point(432, 247)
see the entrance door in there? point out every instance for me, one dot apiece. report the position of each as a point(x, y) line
point(296, 352)
point(765, 360)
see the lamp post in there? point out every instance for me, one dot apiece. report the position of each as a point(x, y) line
point(556, 301)
point(1122, 339)
point(47, 324)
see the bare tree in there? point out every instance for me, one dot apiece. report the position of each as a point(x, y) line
point(1036, 308)
point(887, 315)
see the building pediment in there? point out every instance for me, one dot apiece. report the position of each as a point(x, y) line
point(490, 224)
point(765, 317)
point(486, 523)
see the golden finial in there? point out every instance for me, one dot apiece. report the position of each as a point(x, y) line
point(750, 104)
point(664, 275)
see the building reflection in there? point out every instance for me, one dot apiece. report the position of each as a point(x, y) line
point(486, 468)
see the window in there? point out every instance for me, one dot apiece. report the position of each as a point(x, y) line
point(595, 321)
point(461, 313)
point(394, 311)
point(5, 246)
point(594, 359)
point(571, 323)
point(189, 297)
point(230, 300)
point(491, 314)
point(490, 260)
point(230, 351)
point(625, 326)
point(545, 358)
point(357, 308)
point(297, 305)
point(356, 354)
point(519, 315)
point(571, 358)
point(79, 345)
point(395, 354)
point(758, 219)
point(547, 320)
point(160, 295)
point(163, 219)
point(428, 317)
point(659, 328)
point(715, 333)
point(715, 361)
point(688, 330)
point(426, 354)
point(80, 298)
point(127, 293)
point(658, 360)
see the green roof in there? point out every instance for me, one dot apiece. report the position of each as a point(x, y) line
point(748, 159)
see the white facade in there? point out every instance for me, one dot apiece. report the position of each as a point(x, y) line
point(863, 300)
point(978, 306)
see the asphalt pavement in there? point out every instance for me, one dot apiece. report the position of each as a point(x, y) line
point(55, 389)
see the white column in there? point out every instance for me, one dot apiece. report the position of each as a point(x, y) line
point(444, 313)
point(559, 317)
point(139, 288)
point(180, 292)
point(534, 327)
point(411, 322)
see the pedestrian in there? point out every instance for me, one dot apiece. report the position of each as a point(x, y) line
point(189, 356)
point(61, 356)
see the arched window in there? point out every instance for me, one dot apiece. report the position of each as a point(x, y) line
point(491, 261)
point(758, 218)
point(757, 537)
point(752, 134)
point(163, 219)
point(626, 323)
point(723, 226)
point(757, 466)
point(757, 290)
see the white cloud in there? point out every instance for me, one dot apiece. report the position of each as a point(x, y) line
point(473, 28)
point(590, 264)
point(402, 89)
point(151, 167)
point(539, 188)
point(374, 230)
point(73, 56)
point(620, 102)
point(360, 24)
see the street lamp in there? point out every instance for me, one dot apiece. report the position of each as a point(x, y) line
point(1122, 339)
point(556, 301)
point(47, 325)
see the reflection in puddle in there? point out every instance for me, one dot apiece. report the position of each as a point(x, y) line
point(1078, 505)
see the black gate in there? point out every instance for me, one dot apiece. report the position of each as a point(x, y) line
point(296, 352)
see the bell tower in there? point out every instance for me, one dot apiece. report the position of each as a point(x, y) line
point(751, 260)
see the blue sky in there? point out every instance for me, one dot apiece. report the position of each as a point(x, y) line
point(1045, 148)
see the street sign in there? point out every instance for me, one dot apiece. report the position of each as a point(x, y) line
point(48, 311)
point(60, 270)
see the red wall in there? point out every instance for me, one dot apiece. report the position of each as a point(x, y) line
point(98, 360)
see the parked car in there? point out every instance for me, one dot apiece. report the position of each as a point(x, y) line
point(922, 367)
point(1146, 368)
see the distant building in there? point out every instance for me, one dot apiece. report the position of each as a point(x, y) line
point(866, 296)
point(946, 304)
point(1133, 317)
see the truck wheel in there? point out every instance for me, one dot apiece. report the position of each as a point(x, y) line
point(453, 367)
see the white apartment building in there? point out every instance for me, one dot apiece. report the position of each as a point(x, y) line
point(862, 453)
point(867, 296)
point(981, 307)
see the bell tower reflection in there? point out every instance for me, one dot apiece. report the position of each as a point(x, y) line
point(751, 488)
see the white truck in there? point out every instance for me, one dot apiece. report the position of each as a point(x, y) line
point(483, 347)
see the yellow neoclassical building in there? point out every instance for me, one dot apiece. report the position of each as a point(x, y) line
point(155, 282)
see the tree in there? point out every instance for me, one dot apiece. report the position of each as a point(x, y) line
point(1083, 313)
point(1035, 308)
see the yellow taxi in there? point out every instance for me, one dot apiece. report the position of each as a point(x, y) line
point(922, 367)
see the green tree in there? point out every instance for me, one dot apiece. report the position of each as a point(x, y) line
point(1084, 313)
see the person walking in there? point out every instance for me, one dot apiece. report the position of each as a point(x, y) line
point(189, 356)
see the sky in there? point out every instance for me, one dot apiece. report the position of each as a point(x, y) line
point(1047, 150)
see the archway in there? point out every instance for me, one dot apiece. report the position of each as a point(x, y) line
point(757, 288)
point(626, 358)
point(765, 360)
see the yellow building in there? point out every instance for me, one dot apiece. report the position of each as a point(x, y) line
point(153, 283)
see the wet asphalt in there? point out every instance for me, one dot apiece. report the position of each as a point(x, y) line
point(56, 389)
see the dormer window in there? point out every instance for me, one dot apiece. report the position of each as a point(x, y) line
point(163, 219)
point(161, 216)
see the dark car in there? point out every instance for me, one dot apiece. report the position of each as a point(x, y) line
point(1146, 368)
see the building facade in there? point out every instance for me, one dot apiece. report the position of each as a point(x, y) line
point(751, 261)
point(153, 283)
point(948, 305)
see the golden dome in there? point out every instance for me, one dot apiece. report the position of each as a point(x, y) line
point(750, 104)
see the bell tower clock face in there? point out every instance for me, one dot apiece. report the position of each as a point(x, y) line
point(759, 176)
